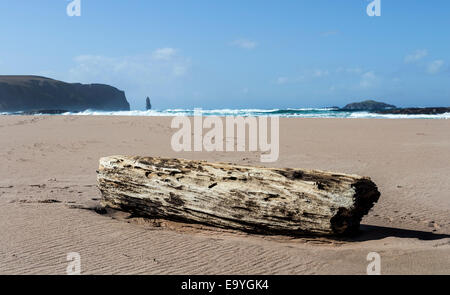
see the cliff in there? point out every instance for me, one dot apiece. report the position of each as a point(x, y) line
point(33, 93)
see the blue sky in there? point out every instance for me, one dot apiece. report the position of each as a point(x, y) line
point(236, 54)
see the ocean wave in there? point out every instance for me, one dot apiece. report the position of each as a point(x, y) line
point(287, 113)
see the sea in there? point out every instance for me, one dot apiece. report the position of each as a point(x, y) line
point(288, 113)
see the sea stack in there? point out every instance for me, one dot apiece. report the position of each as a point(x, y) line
point(148, 105)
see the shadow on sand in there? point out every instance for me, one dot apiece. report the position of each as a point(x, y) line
point(372, 232)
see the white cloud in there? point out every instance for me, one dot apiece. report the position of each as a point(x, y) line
point(363, 78)
point(435, 67)
point(163, 63)
point(354, 70)
point(368, 79)
point(244, 43)
point(164, 53)
point(282, 80)
point(416, 56)
point(155, 73)
point(179, 70)
point(320, 73)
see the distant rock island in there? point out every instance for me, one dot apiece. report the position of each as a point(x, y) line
point(35, 94)
point(368, 105)
point(416, 111)
point(384, 108)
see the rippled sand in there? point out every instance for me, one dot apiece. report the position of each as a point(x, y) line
point(48, 195)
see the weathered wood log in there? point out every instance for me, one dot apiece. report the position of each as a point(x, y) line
point(268, 200)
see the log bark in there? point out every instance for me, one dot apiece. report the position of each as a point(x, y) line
point(255, 199)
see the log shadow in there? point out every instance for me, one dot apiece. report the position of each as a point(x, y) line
point(373, 232)
point(365, 232)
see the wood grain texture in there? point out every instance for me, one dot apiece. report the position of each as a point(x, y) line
point(255, 199)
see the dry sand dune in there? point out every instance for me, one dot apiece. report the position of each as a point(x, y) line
point(48, 195)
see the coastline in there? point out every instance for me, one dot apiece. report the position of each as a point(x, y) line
point(283, 113)
point(48, 195)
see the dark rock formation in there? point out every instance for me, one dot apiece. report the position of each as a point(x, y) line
point(33, 93)
point(417, 111)
point(368, 105)
point(148, 105)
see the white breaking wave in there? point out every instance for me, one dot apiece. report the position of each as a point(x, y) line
point(287, 113)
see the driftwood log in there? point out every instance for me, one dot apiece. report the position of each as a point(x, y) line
point(267, 200)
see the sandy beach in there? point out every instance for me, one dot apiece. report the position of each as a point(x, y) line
point(48, 195)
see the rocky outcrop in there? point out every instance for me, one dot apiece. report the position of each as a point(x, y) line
point(33, 93)
point(148, 104)
point(368, 105)
point(416, 111)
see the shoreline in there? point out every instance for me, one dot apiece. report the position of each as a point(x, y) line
point(245, 113)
